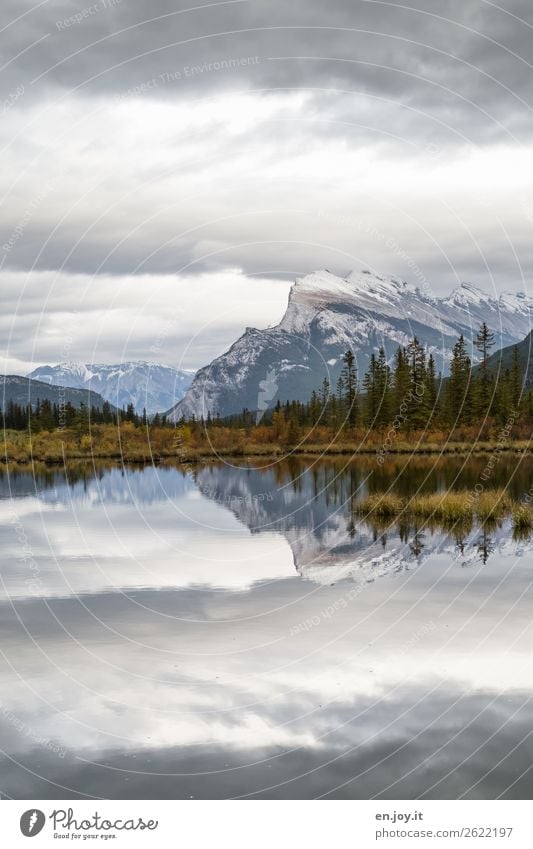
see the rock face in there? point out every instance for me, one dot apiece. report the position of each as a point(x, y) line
point(145, 385)
point(327, 315)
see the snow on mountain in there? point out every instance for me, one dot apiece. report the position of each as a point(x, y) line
point(327, 315)
point(143, 384)
point(328, 543)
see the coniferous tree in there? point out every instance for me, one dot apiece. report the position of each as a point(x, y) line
point(484, 341)
point(349, 387)
point(324, 399)
point(314, 408)
point(371, 392)
point(383, 388)
point(401, 384)
point(458, 399)
point(416, 354)
point(431, 389)
point(46, 416)
point(516, 380)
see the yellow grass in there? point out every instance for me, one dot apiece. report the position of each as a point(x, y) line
point(522, 517)
point(382, 505)
point(448, 508)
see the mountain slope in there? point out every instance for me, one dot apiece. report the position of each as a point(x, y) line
point(502, 360)
point(328, 543)
point(24, 391)
point(327, 315)
point(145, 385)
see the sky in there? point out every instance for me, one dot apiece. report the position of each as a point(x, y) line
point(170, 167)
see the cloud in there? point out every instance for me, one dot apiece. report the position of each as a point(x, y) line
point(385, 48)
point(183, 321)
point(270, 138)
point(242, 181)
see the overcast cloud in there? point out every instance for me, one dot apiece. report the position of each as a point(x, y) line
point(163, 159)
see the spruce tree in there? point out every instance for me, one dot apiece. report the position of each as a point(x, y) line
point(458, 397)
point(349, 387)
point(401, 383)
point(431, 389)
point(516, 381)
point(484, 341)
point(370, 390)
point(383, 388)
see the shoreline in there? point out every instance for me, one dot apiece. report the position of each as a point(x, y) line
point(271, 452)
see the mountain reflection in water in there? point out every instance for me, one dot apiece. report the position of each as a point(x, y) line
point(243, 632)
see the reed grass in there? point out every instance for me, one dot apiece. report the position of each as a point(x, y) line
point(383, 505)
point(522, 517)
point(448, 508)
point(493, 504)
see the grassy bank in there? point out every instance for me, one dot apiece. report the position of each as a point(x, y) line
point(141, 444)
point(448, 508)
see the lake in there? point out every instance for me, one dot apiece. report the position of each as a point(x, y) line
point(239, 631)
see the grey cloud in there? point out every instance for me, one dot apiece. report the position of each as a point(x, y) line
point(382, 49)
point(390, 753)
point(405, 84)
point(48, 317)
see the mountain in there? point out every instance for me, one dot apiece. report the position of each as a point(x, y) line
point(145, 385)
point(312, 509)
point(502, 360)
point(327, 315)
point(23, 391)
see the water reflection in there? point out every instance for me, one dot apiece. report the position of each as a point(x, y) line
point(242, 632)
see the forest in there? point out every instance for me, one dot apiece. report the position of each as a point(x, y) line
point(397, 406)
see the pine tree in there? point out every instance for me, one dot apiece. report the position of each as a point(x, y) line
point(293, 431)
point(516, 380)
point(401, 383)
point(371, 395)
point(383, 388)
point(458, 397)
point(484, 341)
point(46, 416)
point(418, 412)
point(82, 420)
point(314, 408)
point(431, 389)
point(324, 400)
point(349, 387)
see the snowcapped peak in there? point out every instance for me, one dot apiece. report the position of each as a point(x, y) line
point(144, 384)
point(72, 369)
point(323, 279)
point(319, 288)
point(368, 281)
point(466, 294)
point(73, 366)
point(518, 302)
point(323, 287)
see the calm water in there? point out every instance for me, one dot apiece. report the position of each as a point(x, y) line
point(240, 633)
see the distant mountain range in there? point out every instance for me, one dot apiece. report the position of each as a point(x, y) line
point(143, 384)
point(327, 315)
point(24, 391)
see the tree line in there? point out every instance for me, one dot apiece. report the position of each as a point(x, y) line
point(407, 392)
point(46, 415)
